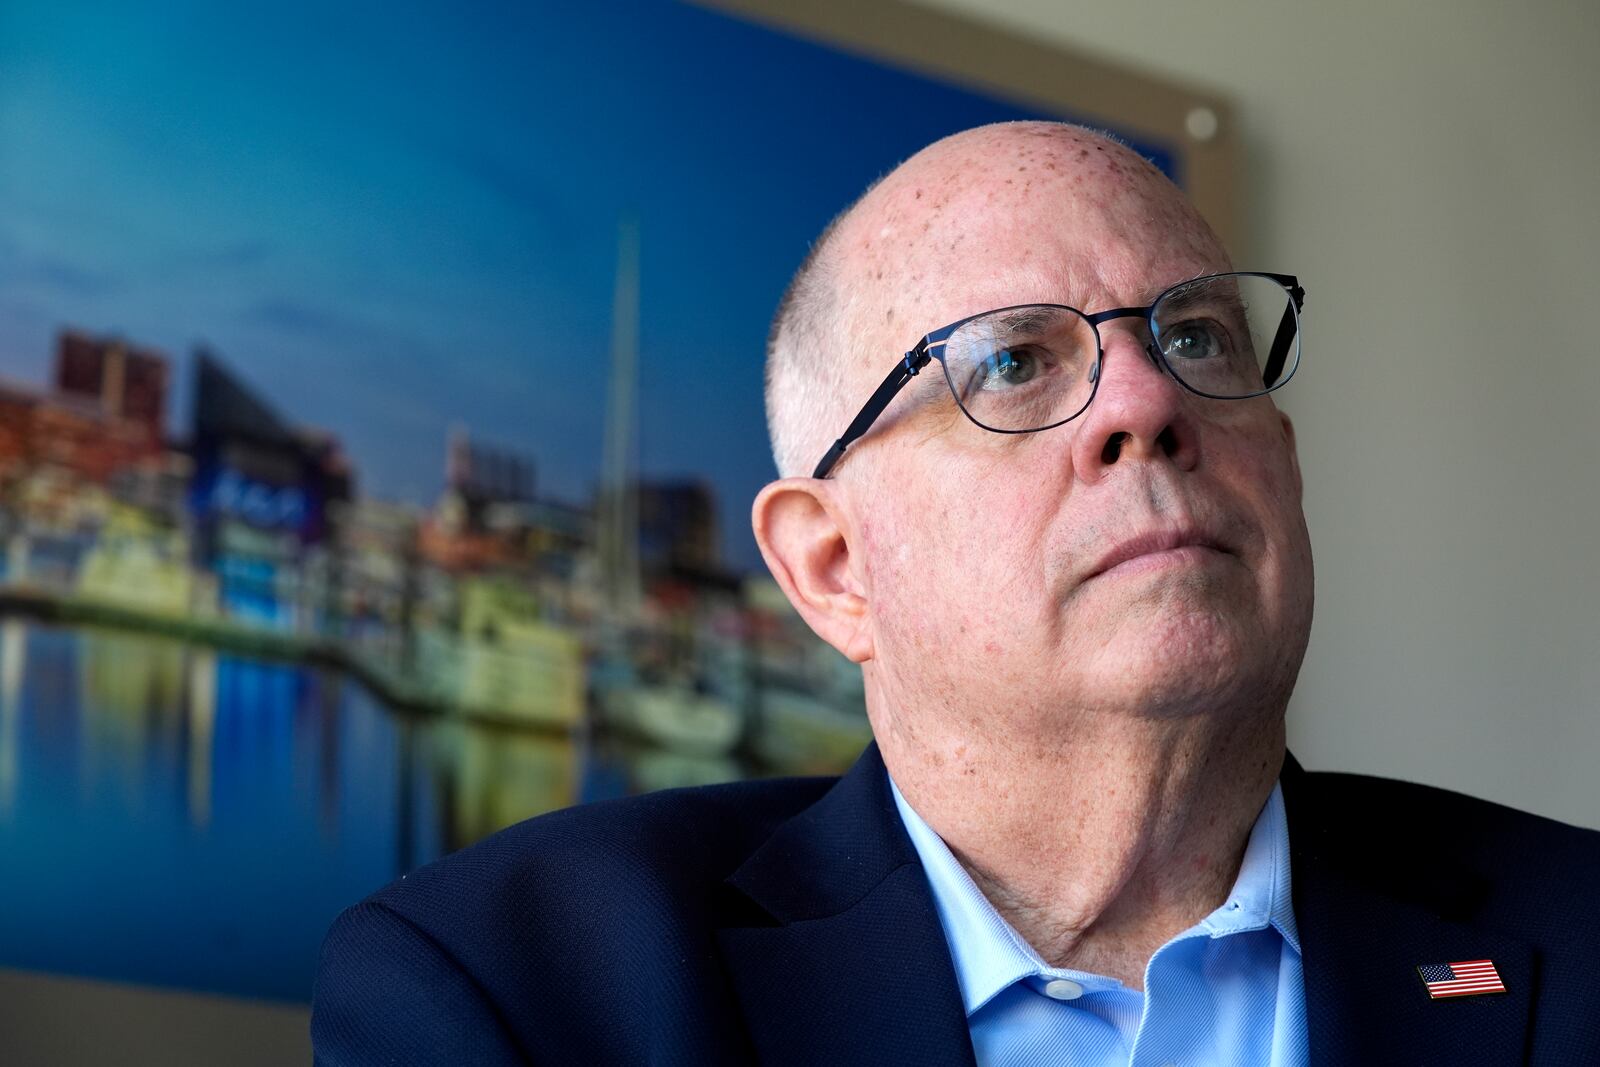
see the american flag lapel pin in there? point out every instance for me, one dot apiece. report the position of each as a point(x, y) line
point(1466, 979)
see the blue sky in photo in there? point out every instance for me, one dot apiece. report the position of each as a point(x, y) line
point(393, 218)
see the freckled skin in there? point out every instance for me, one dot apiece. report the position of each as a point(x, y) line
point(1094, 750)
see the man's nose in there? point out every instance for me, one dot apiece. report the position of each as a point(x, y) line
point(1138, 412)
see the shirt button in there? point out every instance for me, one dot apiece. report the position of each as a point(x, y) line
point(1062, 989)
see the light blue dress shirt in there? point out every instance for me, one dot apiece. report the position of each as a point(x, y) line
point(1228, 990)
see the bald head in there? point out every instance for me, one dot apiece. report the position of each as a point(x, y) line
point(872, 283)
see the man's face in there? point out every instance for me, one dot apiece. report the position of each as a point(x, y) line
point(984, 556)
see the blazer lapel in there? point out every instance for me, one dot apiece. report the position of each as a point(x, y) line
point(843, 959)
point(1368, 914)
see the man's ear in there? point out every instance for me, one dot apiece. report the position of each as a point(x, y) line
point(1294, 454)
point(800, 530)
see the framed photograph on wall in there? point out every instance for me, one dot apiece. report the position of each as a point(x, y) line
point(380, 411)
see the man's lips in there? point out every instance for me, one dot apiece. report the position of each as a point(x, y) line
point(1157, 548)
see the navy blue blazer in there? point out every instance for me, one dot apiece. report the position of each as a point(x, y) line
point(790, 922)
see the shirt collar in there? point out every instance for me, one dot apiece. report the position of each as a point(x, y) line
point(990, 955)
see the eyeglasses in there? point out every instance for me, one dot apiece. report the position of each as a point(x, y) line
point(1033, 367)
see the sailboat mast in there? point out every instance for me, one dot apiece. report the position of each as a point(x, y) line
point(619, 511)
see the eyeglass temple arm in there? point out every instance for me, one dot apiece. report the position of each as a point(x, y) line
point(1288, 326)
point(903, 372)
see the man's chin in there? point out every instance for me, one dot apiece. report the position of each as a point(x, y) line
point(1179, 664)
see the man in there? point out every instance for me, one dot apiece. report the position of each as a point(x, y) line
point(1063, 539)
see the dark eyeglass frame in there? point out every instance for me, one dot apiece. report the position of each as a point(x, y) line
point(931, 347)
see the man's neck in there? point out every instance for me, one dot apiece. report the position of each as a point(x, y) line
point(1100, 850)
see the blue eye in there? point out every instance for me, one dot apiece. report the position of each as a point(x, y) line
point(1009, 367)
point(1193, 340)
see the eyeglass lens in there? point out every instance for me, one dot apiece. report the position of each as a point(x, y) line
point(1022, 368)
point(1234, 335)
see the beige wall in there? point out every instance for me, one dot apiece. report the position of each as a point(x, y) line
point(1430, 170)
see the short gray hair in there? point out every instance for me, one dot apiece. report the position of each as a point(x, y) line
point(808, 355)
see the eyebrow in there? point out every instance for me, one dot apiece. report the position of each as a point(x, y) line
point(1027, 320)
point(1189, 299)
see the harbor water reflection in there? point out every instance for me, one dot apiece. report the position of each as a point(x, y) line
point(178, 816)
